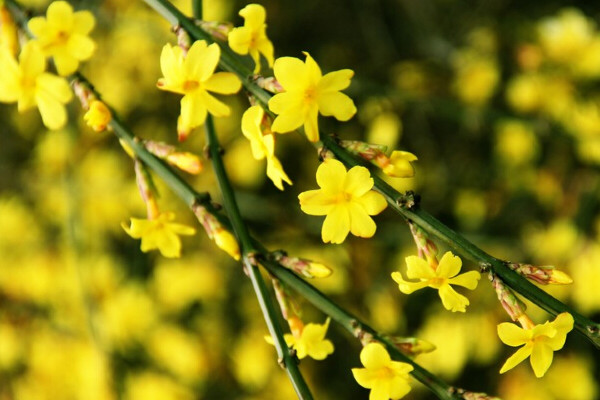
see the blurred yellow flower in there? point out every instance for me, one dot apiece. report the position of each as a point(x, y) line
point(565, 37)
point(347, 200)
point(476, 77)
point(159, 233)
point(306, 93)
point(193, 76)
point(8, 31)
point(540, 341)
point(399, 164)
point(263, 144)
point(98, 116)
point(63, 35)
point(516, 142)
point(252, 37)
point(310, 341)
point(440, 278)
point(387, 379)
point(27, 84)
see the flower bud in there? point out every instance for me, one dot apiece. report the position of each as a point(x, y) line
point(227, 242)
point(306, 268)
point(215, 231)
point(98, 116)
point(546, 274)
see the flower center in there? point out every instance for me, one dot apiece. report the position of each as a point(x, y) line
point(343, 197)
point(62, 36)
point(385, 373)
point(310, 95)
point(188, 86)
point(437, 282)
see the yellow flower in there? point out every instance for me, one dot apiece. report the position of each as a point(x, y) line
point(194, 77)
point(27, 84)
point(400, 164)
point(347, 200)
point(387, 379)
point(159, 233)
point(263, 144)
point(252, 37)
point(310, 341)
point(540, 341)
point(98, 116)
point(306, 93)
point(439, 278)
point(63, 35)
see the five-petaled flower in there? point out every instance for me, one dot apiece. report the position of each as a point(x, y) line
point(263, 144)
point(252, 37)
point(306, 93)
point(194, 77)
point(347, 200)
point(538, 341)
point(387, 379)
point(440, 278)
point(159, 233)
point(26, 83)
point(63, 34)
point(308, 340)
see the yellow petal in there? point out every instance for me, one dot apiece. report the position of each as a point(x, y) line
point(251, 120)
point(81, 46)
point(266, 48)
point(398, 387)
point(331, 175)
point(224, 83)
point(541, 358)
point(291, 74)
point(311, 125)
point(336, 225)
point(316, 202)
point(83, 22)
point(214, 106)
point(276, 173)
point(468, 279)
point(9, 79)
point(358, 181)
point(361, 224)
point(364, 377)
point(286, 102)
point(372, 202)
point(51, 94)
point(60, 12)
point(37, 26)
point(452, 300)
point(171, 66)
point(320, 350)
point(516, 358)
point(254, 15)
point(407, 287)
point(563, 325)
point(201, 61)
point(335, 81)
point(336, 104)
point(65, 63)
point(193, 111)
point(381, 390)
point(374, 356)
point(239, 40)
point(417, 268)
point(513, 335)
point(313, 72)
point(449, 265)
point(31, 60)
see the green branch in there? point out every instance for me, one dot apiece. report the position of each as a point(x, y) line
point(397, 201)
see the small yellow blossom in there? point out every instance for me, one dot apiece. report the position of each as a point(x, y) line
point(98, 116)
point(440, 278)
point(347, 200)
point(252, 37)
point(185, 161)
point(263, 144)
point(399, 164)
point(27, 84)
point(387, 379)
point(540, 341)
point(227, 242)
point(63, 34)
point(308, 340)
point(193, 76)
point(307, 93)
point(159, 233)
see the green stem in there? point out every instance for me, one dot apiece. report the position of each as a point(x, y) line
point(409, 209)
point(286, 358)
point(518, 283)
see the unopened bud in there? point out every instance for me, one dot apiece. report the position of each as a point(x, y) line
point(98, 116)
point(218, 30)
point(397, 165)
point(215, 231)
point(270, 84)
point(412, 346)
point(514, 307)
point(183, 160)
point(227, 242)
point(304, 267)
point(546, 274)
